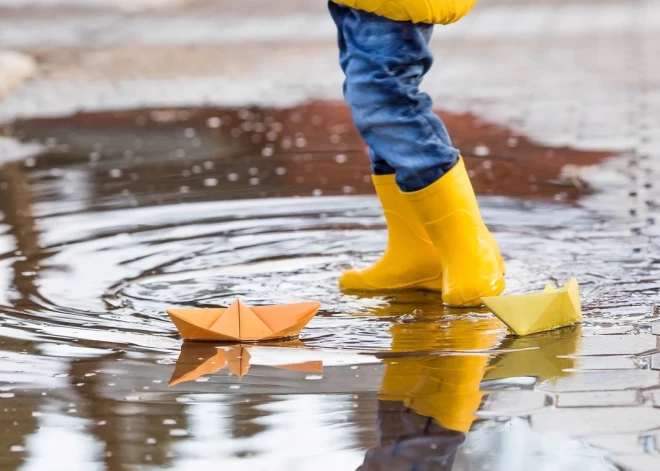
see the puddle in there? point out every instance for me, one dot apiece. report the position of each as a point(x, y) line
point(129, 213)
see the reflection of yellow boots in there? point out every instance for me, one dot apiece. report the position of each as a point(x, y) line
point(443, 387)
point(472, 266)
point(410, 260)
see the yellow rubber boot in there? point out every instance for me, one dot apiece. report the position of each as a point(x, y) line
point(472, 265)
point(410, 260)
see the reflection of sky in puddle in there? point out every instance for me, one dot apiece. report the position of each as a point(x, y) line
point(299, 432)
point(497, 447)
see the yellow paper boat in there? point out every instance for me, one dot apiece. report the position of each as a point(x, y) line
point(527, 314)
point(239, 322)
point(197, 360)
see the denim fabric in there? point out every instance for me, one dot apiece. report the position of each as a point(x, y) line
point(384, 62)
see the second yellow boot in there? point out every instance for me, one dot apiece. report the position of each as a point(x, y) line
point(410, 260)
point(471, 262)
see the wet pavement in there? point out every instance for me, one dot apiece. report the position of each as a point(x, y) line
point(121, 214)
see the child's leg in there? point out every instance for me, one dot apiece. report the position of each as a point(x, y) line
point(384, 62)
point(410, 260)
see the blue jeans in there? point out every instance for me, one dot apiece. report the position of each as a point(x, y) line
point(384, 62)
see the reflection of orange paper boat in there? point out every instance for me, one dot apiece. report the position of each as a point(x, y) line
point(240, 322)
point(197, 360)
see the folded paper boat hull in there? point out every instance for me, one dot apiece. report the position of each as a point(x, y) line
point(242, 323)
point(527, 314)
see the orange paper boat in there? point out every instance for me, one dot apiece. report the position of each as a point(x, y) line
point(239, 322)
point(197, 360)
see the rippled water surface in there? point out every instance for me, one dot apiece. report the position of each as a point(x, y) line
point(127, 214)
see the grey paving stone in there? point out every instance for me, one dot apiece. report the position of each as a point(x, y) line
point(597, 420)
point(655, 398)
point(613, 330)
point(639, 462)
point(603, 380)
point(624, 444)
point(616, 362)
point(655, 361)
point(598, 398)
point(618, 344)
point(513, 403)
point(656, 329)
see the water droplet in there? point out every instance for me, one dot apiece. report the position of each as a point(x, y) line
point(277, 127)
point(60, 375)
point(341, 159)
point(354, 367)
point(232, 177)
point(235, 386)
point(203, 379)
point(267, 151)
point(406, 318)
point(151, 441)
point(313, 377)
point(133, 397)
point(189, 133)
point(115, 173)
point(169, 422)
point(184, 189)
point(254, 181)
point(481, 150)
point(317, 192)
point(280, 171)
point(16, 448)
point(6, 395)
point(214, 122)
point(165, 361)
point(210, 181)
point(178, 432)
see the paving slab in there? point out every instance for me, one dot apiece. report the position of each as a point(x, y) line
point(602, 380)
